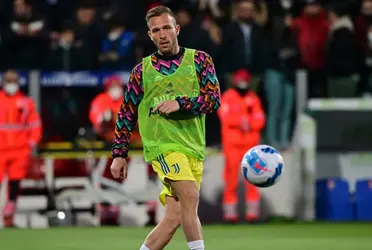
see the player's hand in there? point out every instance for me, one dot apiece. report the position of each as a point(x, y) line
point(167, 107)
point(119, 168)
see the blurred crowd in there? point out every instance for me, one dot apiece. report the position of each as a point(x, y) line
point(329, 38)
point(271, 39)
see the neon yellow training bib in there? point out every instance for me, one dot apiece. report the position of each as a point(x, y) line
point(180, 131)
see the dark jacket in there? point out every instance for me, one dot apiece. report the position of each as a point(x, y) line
point(232, 55)
point(342, 58)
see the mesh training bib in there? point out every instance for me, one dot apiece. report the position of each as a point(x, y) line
point(180, 131)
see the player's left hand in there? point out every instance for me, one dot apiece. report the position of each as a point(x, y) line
point(167, 107)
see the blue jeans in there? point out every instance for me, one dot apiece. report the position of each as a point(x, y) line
point(280, 97)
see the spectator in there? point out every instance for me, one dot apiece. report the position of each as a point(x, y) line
point(20, 133)
point(118, 48)
point(311, 29)
point(342, 59)
point(67, 54)
point(242, 120)
point(281, 60)
point(29, 36)
point(191, 34)
point(363, 32)
point(241, 42)
point(88, 31)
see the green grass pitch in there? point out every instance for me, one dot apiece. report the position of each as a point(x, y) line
point(313, 236)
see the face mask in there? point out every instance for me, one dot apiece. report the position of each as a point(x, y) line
point(115, 93)
point(242, 85)
point(11, 88)
point(114, 35)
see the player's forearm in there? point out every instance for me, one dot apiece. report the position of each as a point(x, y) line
point(120, 146)
point(203, 104)
point(125, 124)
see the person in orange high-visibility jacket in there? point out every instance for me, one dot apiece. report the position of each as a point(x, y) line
point(20, 132)
point(104, 108)
point(242, 119)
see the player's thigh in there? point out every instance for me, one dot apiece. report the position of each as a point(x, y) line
point(172, 210)
point(180, 175)
point(18, 165)
point(172, 167)
point(186, 191)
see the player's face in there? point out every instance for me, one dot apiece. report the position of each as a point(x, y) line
point(163, 31)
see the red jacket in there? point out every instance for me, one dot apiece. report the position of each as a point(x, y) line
point(20, 124)
point(312, 37)
point(235, 111)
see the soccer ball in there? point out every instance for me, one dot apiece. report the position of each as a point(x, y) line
point(262, 166)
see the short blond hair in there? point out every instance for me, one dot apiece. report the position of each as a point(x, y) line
point(158, 11)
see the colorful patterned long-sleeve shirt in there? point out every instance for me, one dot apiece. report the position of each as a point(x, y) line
point(208, 100)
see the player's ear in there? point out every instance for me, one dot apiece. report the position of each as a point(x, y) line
point(178, 28)
point(149, 34)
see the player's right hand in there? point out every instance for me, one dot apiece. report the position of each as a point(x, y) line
point(119, 168)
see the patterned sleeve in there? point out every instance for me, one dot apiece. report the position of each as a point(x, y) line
point(209, 98)
point(128, 115)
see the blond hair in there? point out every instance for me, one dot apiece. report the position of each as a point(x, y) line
point(158, 11)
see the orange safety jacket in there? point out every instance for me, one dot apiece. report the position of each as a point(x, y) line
point(242, 119)
point(20, 123)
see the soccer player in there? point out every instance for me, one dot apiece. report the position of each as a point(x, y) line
point(169, 93)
